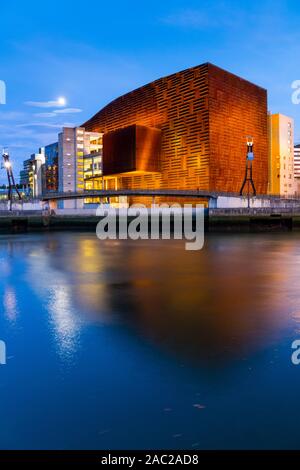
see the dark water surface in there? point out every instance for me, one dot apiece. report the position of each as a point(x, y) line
point(127, 345)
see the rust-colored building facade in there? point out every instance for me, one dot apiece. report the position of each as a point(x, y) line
point(131, 149)
point(204, 115)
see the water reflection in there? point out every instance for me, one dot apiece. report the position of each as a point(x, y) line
point(61, 313)
point(55, 291)
point(235, 296)
point(211, 305)
point(10, 303)
point(164, 348)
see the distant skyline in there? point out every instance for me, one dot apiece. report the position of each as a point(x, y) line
point(91, 54)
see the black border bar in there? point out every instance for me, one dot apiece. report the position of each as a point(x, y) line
point(99, 458)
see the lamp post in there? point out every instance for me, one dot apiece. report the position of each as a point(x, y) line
point(10, 176)
point(248, 180)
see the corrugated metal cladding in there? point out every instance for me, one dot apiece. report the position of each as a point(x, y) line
point(205, 115)
point(133, 148)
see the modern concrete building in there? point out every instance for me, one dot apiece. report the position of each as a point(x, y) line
point(297, 161)
point(79, 157)
point(38, 161)
point(24, 173)
point(31, 177)
point(297, 167)
point(185, 131)
point(281, 155)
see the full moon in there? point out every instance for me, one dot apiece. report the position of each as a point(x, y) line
point(61, 101)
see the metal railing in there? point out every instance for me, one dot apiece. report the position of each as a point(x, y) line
point(161, 192)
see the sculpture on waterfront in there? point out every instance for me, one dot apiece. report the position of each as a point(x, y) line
point(11, 179)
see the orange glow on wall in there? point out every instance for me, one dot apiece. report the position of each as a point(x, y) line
point(205, 115)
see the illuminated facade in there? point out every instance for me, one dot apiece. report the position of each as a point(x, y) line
point(92, 160)
point(51, 168)
point(297, 167)
point(281, 155)
point(24, 173)
point(79, 161)
point(31, 177)
point(185, 131)
point(79, 158)
point(297, 161)
point(37, 172)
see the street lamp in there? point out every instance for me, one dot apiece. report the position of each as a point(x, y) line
point(10, 177)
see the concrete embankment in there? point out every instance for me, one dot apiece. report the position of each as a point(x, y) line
point(254, 220)
point(216, 220)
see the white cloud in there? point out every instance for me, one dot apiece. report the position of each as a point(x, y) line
point(11, 115)
point(189, 18)
point(212, 16)
point(45, 115)
point(58, 112)
point(46, 104)
point(45, 124)
point(67, 111)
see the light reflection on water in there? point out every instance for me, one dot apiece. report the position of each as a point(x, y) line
point(110, 335)
point(10, 303)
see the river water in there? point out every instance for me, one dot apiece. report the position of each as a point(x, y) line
point(143, 345)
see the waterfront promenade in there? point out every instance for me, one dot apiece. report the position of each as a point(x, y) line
point(216, 220)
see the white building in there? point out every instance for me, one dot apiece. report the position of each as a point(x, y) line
point(38, 160)
point(75, 145)
point(281, 155)
point(297, 167)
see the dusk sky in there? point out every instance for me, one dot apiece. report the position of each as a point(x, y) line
point(92, 52)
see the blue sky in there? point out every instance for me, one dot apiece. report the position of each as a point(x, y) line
point(93, 52)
